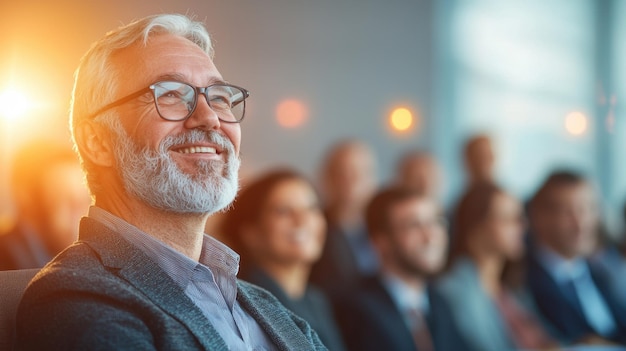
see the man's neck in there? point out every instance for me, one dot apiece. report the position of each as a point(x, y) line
point(345, 217)
point(545, 248)
point(182, 232)
point(558, 266)
point(415, 282)
point(408, 293)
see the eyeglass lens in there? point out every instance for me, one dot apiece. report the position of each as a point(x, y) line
point(176, 100)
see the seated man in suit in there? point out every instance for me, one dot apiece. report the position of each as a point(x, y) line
point(391, 311)
point(157, 129)
point(572, 292)
point(348, 182)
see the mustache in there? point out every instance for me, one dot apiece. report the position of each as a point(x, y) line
point(197, 136)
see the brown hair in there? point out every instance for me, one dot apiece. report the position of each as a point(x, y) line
point(556, 179)
point(471, 211)
point(378, 210)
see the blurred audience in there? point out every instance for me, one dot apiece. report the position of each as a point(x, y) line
point(420, 171)
point(391, 311)
point(50, 198)
point(214, 224)
point(348, 181)
point(278, 228)
point(575, 293)
point(479, 159)
point(482, 306)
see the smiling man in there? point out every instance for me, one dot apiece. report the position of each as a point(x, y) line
point(157, 129)
point(392, 310)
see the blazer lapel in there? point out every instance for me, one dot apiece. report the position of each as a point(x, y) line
point(612, 293)
point(390, 314)
point(565, 319)
point(144, 274)
point(266, 314)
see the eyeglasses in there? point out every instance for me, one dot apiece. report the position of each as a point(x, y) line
point(176, 101)
point(423, 224)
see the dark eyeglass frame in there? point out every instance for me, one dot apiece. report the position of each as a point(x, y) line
point(197, 91)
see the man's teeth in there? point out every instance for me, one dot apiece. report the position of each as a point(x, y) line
point(198, 149)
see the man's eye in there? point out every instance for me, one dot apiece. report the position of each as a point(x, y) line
point(220, 101)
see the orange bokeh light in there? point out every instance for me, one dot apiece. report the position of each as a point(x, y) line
point(291, 113)
point(401, 119)
point(576, 123)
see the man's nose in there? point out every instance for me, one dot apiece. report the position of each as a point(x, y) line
point(203, 117)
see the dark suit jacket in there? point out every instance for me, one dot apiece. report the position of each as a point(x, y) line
point(337, 271)
point(566, 318)
point(339, 262)
point(102, 293)
point(369, 319)
point(313, 307)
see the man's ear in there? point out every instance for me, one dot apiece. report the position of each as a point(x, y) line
point(95, 144)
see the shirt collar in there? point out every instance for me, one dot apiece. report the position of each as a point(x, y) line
point(215, 255)
point(218, 256)
point(560, 268)
point(404, 296)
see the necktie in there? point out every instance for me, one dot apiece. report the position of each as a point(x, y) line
point(420, 332)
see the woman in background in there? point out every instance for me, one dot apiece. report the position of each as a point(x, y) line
point(277, 226)
point(484, 307)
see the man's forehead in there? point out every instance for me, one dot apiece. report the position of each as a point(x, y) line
point(571, 194)
point(580, 188)
point(416, 204)
point(165, 54)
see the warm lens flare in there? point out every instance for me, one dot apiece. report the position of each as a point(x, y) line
point(576, 123)
point(13, 104)
point(401, 119)
point(291, 113)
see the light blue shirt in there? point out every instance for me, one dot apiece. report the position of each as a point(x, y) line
point(210, 283)
point(406, 298)
point(563, 271)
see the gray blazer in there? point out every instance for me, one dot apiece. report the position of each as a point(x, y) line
point(102, 293)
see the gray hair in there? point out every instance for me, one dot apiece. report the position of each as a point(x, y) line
point(97, 81)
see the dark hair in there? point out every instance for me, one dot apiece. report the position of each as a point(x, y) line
point(558, 178)
point(410, 155)
point(378, 210)
point(249, 205)
point(472, 209)
point(472, 142)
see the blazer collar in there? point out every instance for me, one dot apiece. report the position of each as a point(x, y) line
point(132, 265)
point(286, 336)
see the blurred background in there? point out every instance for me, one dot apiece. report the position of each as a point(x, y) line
point(545, 79)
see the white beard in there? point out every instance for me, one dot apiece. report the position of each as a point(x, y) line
point(154, 178)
